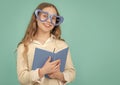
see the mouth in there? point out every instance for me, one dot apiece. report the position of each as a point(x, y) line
point(47, 25)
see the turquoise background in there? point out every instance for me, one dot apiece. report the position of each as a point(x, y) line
point(91, 28)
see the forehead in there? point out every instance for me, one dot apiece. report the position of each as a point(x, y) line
point(50, 10)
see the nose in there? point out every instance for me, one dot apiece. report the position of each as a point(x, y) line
point(49, 19)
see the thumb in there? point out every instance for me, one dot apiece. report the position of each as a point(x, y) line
point(49, 59)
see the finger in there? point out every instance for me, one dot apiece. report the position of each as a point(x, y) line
point(51, 76)
point(55, 62)
point(59, 63)
point(49, 59)
point(58, 60)
point(57, 67)
point(54, 65)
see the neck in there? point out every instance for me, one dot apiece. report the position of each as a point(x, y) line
point(42, 37)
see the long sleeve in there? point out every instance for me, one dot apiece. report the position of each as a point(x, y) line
point(69, 73)
point(25, 76)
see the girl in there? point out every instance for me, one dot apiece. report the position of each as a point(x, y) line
point(43, 32)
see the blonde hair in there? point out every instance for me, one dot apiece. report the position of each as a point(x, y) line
point(32, 29)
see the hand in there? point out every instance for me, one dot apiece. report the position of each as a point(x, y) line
point(50, 67)
point(55, 74)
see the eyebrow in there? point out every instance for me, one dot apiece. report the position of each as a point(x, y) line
point(48, 12)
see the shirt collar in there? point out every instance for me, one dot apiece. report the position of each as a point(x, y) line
point(50, 39)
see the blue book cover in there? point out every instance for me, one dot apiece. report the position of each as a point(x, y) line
point(41, 56)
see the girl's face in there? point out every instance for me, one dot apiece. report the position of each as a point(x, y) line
point(47, 26)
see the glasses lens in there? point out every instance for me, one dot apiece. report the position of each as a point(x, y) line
point(43, 16)
point(57, 20)
point(53, 19)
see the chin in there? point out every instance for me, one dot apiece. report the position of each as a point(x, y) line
point(45, 28)
point(48, 28)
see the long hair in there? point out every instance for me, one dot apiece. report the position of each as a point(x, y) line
point(33, 28)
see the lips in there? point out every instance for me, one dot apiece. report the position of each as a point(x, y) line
point(47, 25)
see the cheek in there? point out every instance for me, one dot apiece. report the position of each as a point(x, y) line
point(39, 23)
point(52, 27)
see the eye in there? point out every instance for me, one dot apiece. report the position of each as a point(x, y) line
point(43, 15)
point(54, 18)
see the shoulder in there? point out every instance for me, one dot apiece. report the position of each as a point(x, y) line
point(20, 47)
point(61, 43)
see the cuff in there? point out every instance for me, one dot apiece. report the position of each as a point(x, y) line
point(66, 77)
point(35, 76)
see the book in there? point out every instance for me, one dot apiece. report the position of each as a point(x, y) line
point(41, 56)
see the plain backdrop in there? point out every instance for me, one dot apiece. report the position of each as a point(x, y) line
point(91, 28)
